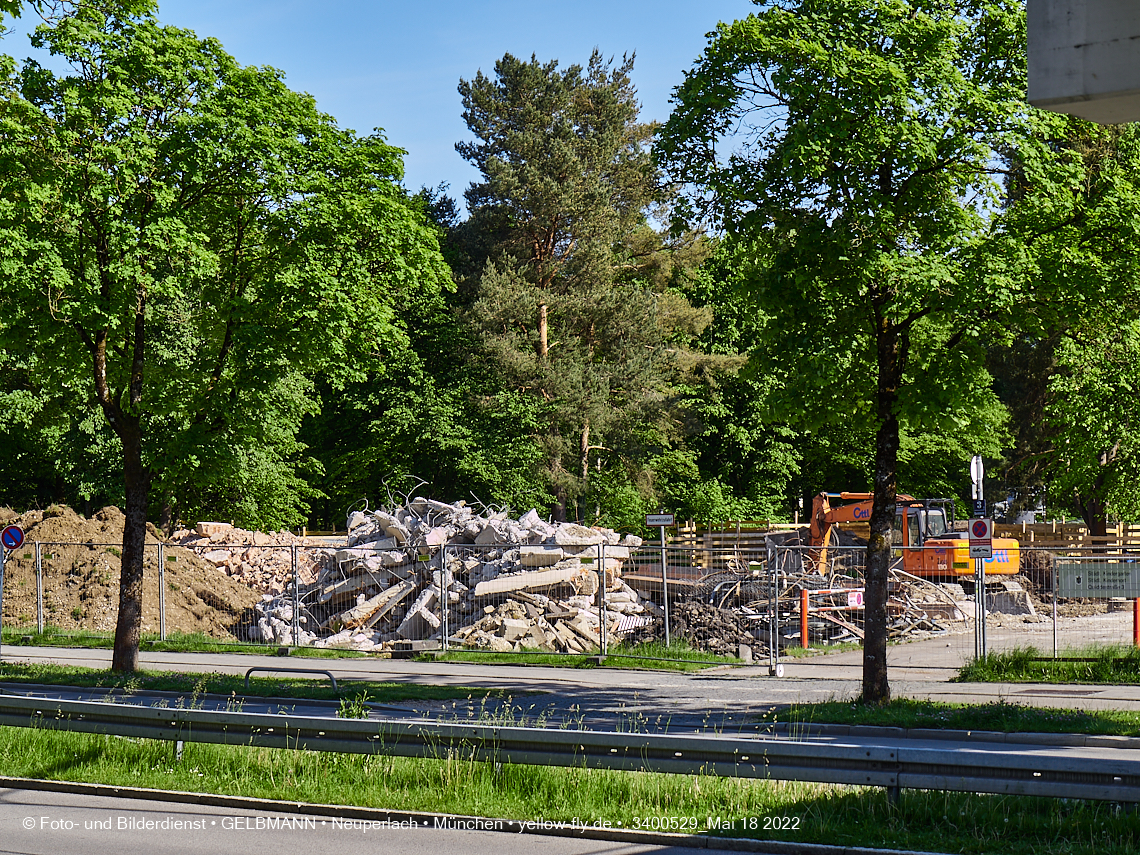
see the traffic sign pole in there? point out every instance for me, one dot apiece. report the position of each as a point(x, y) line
point(662, 521)
point(3, 556)
point(10, 538)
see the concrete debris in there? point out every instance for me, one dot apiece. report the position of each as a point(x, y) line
point(489, 581)
point(261, 560)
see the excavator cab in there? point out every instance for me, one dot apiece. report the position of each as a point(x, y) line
point(919, 521)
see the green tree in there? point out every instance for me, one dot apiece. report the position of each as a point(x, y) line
point(1094, 405)
point(856, 140)
point(565, 275)
point(1069, 241)
point(188, 240)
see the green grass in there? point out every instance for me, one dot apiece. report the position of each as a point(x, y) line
point(844, 816)
point(1000, 716)
point(792, 652)
point(176, 642)
point(1111, 664)
point(196, 685)
point(678, 656)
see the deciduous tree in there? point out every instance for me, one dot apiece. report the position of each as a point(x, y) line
point(858, 140)
point(187, 240)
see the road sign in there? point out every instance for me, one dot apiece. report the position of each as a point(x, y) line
point(1098, 577)
point(981, 538)
point(12, 537)
point(979, 508)
point(656, 520)
point(977, 471)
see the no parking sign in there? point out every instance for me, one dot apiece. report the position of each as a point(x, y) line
point(981, 538)
point(12, 537)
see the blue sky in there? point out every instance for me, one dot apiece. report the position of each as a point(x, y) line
point(396, 65)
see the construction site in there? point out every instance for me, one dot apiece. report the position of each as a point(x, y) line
point(434, 576)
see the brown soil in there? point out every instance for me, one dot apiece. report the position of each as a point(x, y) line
point(80, 560)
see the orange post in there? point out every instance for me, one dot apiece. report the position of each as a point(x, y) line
point(1136, 622)
point(804, 616)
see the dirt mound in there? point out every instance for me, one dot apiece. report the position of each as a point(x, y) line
point(81, 567)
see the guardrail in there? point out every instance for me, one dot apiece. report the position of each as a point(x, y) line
point(1102, 778)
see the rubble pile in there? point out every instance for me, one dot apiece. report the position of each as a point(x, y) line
point(261, 560)
point(489, 581)
point(705, 627)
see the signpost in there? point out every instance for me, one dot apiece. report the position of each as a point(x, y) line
point(662, 521)
point(981, 548)
point(981, 539)
point(10, 538)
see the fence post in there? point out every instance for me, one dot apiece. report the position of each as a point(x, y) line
point(39, 589)
point(603, 619)
point(161, 593)
point(1136, 622)
point(775, 669)
point(444, 598)
point(1054, 606)
point(804, 619)
point(664, 584)
point(296, 596)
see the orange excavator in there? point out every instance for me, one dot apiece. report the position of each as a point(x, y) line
point(923, 539)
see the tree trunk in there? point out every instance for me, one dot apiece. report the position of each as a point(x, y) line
point(166, 518)
point(584, 453)
point(876, 689)
point(891, 348)
point(543, 346)
point(137, 484)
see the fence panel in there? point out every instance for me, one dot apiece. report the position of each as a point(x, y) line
point(575, 600)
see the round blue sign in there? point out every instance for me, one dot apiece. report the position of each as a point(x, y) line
point(12, 537)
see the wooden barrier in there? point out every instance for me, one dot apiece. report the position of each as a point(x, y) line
point(1059, 536)
point(748, 535)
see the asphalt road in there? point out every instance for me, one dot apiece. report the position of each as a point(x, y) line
point(724, 700)
point(45, 823)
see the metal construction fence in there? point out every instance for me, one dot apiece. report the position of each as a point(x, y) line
point(597, 599)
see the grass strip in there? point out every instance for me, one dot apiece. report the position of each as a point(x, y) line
point(177, 642)
point(196, 685)
point(1100, 664)
point(678, 656)
point(999, 716)
point(788, 811)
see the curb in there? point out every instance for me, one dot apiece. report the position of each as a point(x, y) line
point(1077, 740)
point(694, 841)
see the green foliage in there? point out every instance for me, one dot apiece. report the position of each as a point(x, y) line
point(1094, 405)
point(570, 291)
point(1067, 243)
point(207, 239)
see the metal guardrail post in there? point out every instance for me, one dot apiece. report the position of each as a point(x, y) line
point(296, 596)
point(161, 593)
point(39, 589)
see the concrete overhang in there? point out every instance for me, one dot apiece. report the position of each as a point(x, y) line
point(1084, 58)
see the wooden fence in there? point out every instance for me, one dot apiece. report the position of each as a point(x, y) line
point(1057, 536)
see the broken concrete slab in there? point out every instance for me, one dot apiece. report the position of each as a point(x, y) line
point(540, 556)
point(525, 581)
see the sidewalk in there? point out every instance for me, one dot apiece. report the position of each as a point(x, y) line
point(720, 698)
